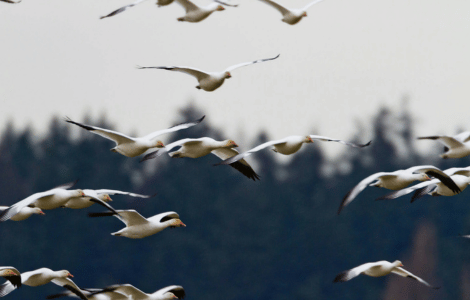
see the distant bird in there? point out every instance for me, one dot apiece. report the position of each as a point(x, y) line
point(196, 13)
point(93, 294)
point(290, 16)
point(129, 146)
point(456, 146)
point(137, 226)
point(209, 81)
point(11, 2)
point(378, 269)
point(398, 180)
point(103, 194)
point(42, 276)
point(124, 8)
point(461, 177)
point(195, 148)
point(287, 146)
point(24, 213)
point(168, 293)
point(12, 275)
point(50, 199)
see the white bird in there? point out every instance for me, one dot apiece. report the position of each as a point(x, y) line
point(378, 269)
point(129, 146)
point(103, 195)
point(24, 213)
point(290, 16)
point(196, 13)
point(12, 275)
point(124, 8)
point(461, 177)
point(42, 276)
point(50, 199)
point(456, 146)
point(93, 294)
point(287, 146)
point(137, 226)
point(398, 180)
point(195, 148)
point(167, 293)
point(209, 81)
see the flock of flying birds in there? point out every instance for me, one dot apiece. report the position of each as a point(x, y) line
point(434, 181)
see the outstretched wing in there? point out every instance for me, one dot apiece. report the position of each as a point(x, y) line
point(310, 4)
point(350, 274)
point(404, 273)
point(11, 2)
point(199, 74)
point(115, 136)
point(408, 190)
point(249, 63)
point(437, 173)
point(327, 139)
point(360, 187)
point(241, 165)
point(128, 217)
point(120, 10)
point(177, 290)
point(180, 126)
point(70, 285)
point(128, 290)
point(116, 192)
point(280, 8)
point(187, 5)
point(450, 142)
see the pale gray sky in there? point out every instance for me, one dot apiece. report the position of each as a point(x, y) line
point(340, 64)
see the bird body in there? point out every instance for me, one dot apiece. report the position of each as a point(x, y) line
point(378, 269)
point(171, 292)
point(103, 195)
point(58, 199)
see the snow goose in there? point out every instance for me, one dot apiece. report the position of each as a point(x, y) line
point(287, 146)
point(50, 199)
point(12, 275)
point(457, 146)
point(209, 81)
point(137, 226)
point(195, 148)
point(167, 293)
point(196, 13)
point(461, 177)
point(103, 195)
point(42, 276)
point(93, 294)
point(290, 16)
point(398, 180)
point(24, 213)
point(129, 146)
point(378, 269)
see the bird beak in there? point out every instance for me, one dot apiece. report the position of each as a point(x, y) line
point(310, 139)
point(109, 198)
point(184, 225)
point(69, 275)
point(83, 194)
point(401, 265)
point(42, 213)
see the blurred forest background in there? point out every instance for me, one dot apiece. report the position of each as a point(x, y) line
point(279, 238)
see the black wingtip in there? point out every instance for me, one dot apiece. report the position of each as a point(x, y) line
point(101, 214)
point(365, 145)
point(151, 155)
point(341, 277)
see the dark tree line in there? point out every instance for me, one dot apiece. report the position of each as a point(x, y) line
point(277, 239)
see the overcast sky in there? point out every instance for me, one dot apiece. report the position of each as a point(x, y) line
point(338, 65)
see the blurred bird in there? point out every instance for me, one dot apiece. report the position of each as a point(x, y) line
point(124, 8)
point(456, 146)
point(103, 195)
point(291, 16)
point(12, 275)
point(378, 269)
point(195, 13)
point(168, 293)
